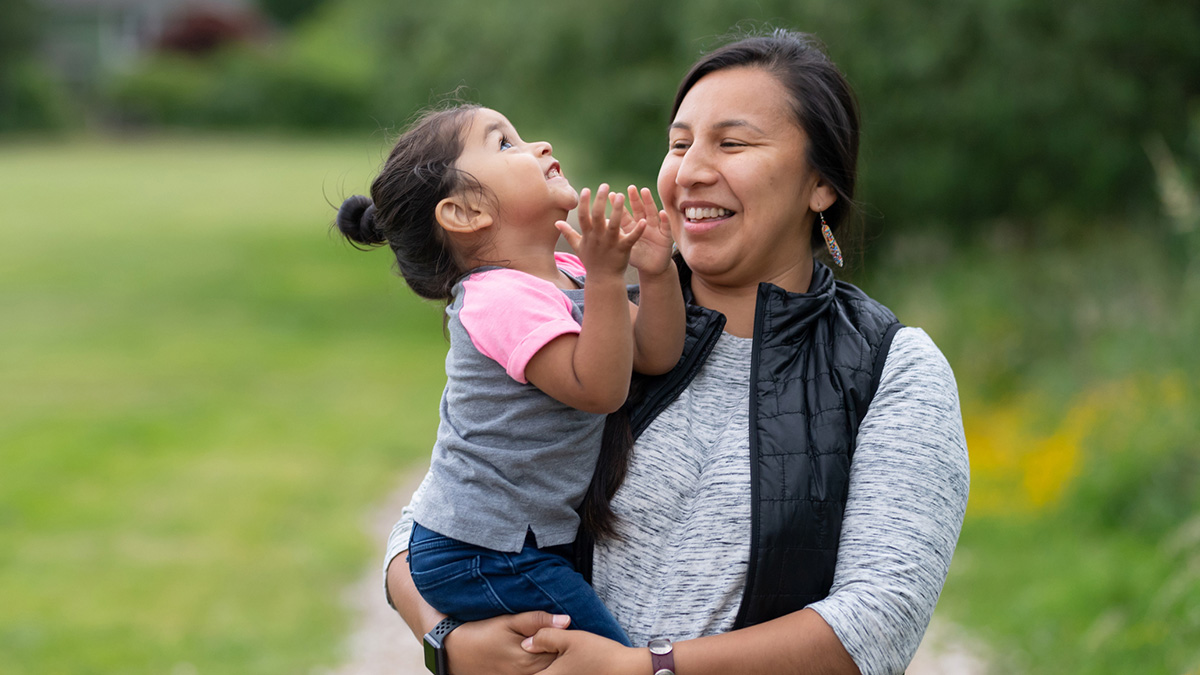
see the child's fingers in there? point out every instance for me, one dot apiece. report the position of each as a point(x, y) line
point(597, 209)
point(628, 239)
point(619, 215)
point(584, 208)
point(618, 211)
point(636, 205)
point(573, 238)
point(648, 202)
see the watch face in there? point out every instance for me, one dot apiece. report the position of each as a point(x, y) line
point(430, 656)
point(659, 646)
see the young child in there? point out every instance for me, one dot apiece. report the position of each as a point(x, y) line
point(473, 214)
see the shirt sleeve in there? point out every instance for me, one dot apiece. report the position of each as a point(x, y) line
point(397, 542)
point(907, 497)
point(569, 263)
point(511, 315)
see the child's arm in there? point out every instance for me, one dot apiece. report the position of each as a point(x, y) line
point(590, 371)
point(658, 321)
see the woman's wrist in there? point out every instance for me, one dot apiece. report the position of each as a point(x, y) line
point(636, 661)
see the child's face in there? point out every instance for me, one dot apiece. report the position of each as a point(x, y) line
point(523, 178)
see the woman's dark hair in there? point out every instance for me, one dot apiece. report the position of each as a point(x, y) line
point(822, 101)
point(826, 110)
point(418, 174)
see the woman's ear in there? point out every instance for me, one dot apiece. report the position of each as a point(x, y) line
point(455, 214)
point(823, 196)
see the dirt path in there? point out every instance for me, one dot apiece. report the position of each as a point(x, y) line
point(380, 643)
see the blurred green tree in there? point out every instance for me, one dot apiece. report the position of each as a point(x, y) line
point(29, 98)
point(288, 12)
point(974, 110)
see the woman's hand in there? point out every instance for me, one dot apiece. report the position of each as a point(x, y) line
point(651, 254)
point(493, 646)
point(583, 653)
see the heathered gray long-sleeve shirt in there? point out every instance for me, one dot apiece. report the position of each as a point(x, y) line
point(680, 567)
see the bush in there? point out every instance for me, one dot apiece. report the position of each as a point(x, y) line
point(239, 88)
point(30, 100)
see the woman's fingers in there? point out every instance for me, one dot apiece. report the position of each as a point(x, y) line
point(529, 623)
point(546, 641)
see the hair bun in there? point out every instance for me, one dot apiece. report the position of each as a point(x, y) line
point(356, 220)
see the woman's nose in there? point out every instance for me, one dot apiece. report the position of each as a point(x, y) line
point(695, 168)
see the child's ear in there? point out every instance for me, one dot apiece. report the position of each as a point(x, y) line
point(455, 214)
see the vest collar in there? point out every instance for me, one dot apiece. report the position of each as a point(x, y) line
point(788, 312)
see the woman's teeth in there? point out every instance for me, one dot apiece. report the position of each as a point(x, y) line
point(694, 213)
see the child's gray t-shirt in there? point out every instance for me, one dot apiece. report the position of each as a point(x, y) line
point(509, 459)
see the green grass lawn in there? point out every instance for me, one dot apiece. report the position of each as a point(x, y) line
point(202, 393)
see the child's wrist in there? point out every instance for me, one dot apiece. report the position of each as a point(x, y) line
point(669, 273)
point(605, 275)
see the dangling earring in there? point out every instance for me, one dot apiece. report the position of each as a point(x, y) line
point(834, 249)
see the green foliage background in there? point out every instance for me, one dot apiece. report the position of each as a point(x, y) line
point(203, 392)
point(973, 109)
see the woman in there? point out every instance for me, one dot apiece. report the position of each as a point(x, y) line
point(798, 482)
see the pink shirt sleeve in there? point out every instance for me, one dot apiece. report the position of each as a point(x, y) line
point(569, 263)
point(511, 315)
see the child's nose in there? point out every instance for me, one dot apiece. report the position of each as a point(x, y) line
point(542, 148)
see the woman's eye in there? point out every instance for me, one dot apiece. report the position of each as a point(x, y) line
point(679, 145)
point(732, 144)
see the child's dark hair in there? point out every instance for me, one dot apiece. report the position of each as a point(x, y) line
point(418, 174)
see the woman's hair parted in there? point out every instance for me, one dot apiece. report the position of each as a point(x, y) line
point(822, 100)
point(418, 174)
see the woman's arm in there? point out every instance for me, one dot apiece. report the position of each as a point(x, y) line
point(800, 643)
point(908, 493)
point(474, 648)
point(490, 647)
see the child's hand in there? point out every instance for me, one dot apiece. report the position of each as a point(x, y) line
point(652, 252)
point(603, 244)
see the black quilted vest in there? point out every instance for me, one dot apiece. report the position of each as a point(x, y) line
point(816, 362)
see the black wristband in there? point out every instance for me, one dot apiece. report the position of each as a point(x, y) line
point(435, 645)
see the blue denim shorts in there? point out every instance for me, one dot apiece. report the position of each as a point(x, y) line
point(471, 583)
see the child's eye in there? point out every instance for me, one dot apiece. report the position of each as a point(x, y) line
point(504, 143)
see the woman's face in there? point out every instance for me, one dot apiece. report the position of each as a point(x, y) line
point(735, 182)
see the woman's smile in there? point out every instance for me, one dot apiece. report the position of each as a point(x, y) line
point(700, 217)
point(735, 177)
